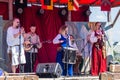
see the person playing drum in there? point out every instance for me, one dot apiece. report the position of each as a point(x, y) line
point(63, 40)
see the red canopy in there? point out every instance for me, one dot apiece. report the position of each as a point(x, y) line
point(113, 3)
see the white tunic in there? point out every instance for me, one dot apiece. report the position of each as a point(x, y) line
point(15, 45)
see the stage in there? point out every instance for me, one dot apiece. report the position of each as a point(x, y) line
point(73, 78)
point(109, 75)
point(33, 76)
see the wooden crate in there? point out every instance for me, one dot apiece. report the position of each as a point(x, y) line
point(103, 76)
point(20, 77)
point(115, 68)
point(31, 77)
point(2, 77)
point(109, 76)
point(12, 78)
point(113, 76)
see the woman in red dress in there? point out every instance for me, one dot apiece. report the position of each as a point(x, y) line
point(98, 58)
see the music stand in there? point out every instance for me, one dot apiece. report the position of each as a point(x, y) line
point(32, 56)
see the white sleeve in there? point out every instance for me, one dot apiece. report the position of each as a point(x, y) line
point(93, 38)
point(11, 40)
point(10, 37)
point(56, 39)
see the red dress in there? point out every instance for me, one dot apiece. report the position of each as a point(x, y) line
point(98, 60)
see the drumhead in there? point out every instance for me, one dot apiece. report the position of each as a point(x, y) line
point(70, 48)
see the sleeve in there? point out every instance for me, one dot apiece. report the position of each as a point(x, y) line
point(39, 43)
point(56, 39)
point(10, 37)
point(1, 72)
point(93, 38)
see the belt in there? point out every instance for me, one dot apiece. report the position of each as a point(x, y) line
point(16, 45)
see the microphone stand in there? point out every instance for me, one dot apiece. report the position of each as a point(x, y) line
point(20, 66)
point(67, 54)
point(31, 58)
point(31, 53)
point(83, 50)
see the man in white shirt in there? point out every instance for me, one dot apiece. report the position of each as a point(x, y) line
point(15, 44)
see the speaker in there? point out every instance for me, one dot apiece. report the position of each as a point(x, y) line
point(49, 70)
point(20, 5)
point(63, 12)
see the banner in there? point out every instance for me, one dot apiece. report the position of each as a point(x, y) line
point(105, 5)
point(73, 5)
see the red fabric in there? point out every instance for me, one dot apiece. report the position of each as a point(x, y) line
point(76, 4)
point(98, 61)
point(39, 0)
point(106, 6)
point(80, 15)
point(54, 0)
point(4, 10)
point(32, 0)
point(43, 6)
point(47, 24)
point(86, 1)
point(63, 1)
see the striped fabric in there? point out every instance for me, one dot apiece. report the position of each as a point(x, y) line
point(73, 5)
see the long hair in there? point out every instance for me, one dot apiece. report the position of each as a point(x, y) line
point(96, 25)
point(62, 29)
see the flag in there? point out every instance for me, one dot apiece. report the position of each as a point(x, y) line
point(105, 5)
point(73, 5)
point(47, 4)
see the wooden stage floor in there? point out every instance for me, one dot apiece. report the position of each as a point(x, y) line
point(73, 78)
point(33, 76)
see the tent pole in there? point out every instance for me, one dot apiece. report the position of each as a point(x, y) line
point(10, 7)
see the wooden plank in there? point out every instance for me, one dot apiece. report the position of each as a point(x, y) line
point(31, 77)
point(113, 76)
point(109, 76)
point(4, 0)
point(10, 7)
point(20, 74)
point(2, 77)
point(103, 76)
point(25, 77)
point(1, 41)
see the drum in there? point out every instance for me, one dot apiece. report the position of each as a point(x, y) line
point(69, 55)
